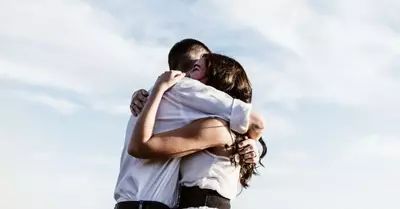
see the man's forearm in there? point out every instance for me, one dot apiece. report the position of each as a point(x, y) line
point(209, 100)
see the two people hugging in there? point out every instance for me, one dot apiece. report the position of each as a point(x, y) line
point(193, 140)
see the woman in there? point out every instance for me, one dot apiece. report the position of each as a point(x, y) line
point(210, 177)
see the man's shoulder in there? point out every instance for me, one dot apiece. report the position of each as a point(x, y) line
point(187, 82)
point(187, 85)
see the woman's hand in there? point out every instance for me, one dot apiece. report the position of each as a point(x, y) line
point(168, 79)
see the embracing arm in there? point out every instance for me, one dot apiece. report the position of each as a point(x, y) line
point(196, 136)
point(256, 127)
point(199, 135)
point(207, 99)
point(143, 129)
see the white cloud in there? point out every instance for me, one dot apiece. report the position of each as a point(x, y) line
point(112, 109)
point(66, 106)
point(37, 167)
point(278, 126)
point(374, 146)
point(61, 105)
point(79, 56)
point(78, 48)
point(340, 57)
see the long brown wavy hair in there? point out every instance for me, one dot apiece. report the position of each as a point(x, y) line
point(227, 75)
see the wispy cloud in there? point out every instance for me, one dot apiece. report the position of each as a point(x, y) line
point(79, 48)
point(59, 104)
point(341, 55)
point(325, 75)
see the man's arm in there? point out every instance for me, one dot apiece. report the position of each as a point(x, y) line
point(193, 138)
point(196, 136)
point(210, 100)
point(207, 99)
point(138, 100)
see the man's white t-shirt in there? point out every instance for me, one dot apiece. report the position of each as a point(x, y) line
point(188, 100)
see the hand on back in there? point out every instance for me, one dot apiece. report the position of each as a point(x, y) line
point(165, 81)
point(168, 79)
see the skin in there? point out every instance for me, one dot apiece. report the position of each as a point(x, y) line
point(139, 98)
point(198, 72)
point(151, 149)
point(199, 135)
point(156, 148)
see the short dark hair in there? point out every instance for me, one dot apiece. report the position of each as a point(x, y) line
point(180, 57)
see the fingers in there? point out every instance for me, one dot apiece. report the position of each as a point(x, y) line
point(144, 93)
point(139, 98)
point(250, 157)
point(136, 107)
point(139, 104)
point(248, 151)
point(251, 160)
point(142, 96)
point(135, 110)
point(246, 142)
point(169, 78)
point(176, 75)
point(179, 77)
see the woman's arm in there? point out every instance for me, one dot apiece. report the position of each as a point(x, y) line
point(143, 129)
point(196, 136)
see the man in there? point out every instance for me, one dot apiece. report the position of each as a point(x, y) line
point(153, 183)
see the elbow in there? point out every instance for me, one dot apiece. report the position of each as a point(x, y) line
point(257, 126)
point(133, 152)
point(257, 121)
point(140, 148)
point(137, 153)
point(136, 150)
point(260, 124)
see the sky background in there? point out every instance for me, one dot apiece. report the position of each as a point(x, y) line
point(326, 76)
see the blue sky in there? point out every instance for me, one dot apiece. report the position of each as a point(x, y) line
point(325, 75)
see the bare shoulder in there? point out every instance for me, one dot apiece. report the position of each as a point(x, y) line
point(209, 122)
point(214, 129)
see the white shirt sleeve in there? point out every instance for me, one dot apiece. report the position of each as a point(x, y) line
point(207, 99)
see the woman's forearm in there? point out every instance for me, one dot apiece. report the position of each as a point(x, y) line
point(196, 136)
point(144, 126)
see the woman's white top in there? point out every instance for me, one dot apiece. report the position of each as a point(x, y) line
point(209, 171)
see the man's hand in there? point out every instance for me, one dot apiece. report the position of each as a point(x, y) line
point(248, 151)
point(139, 98)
